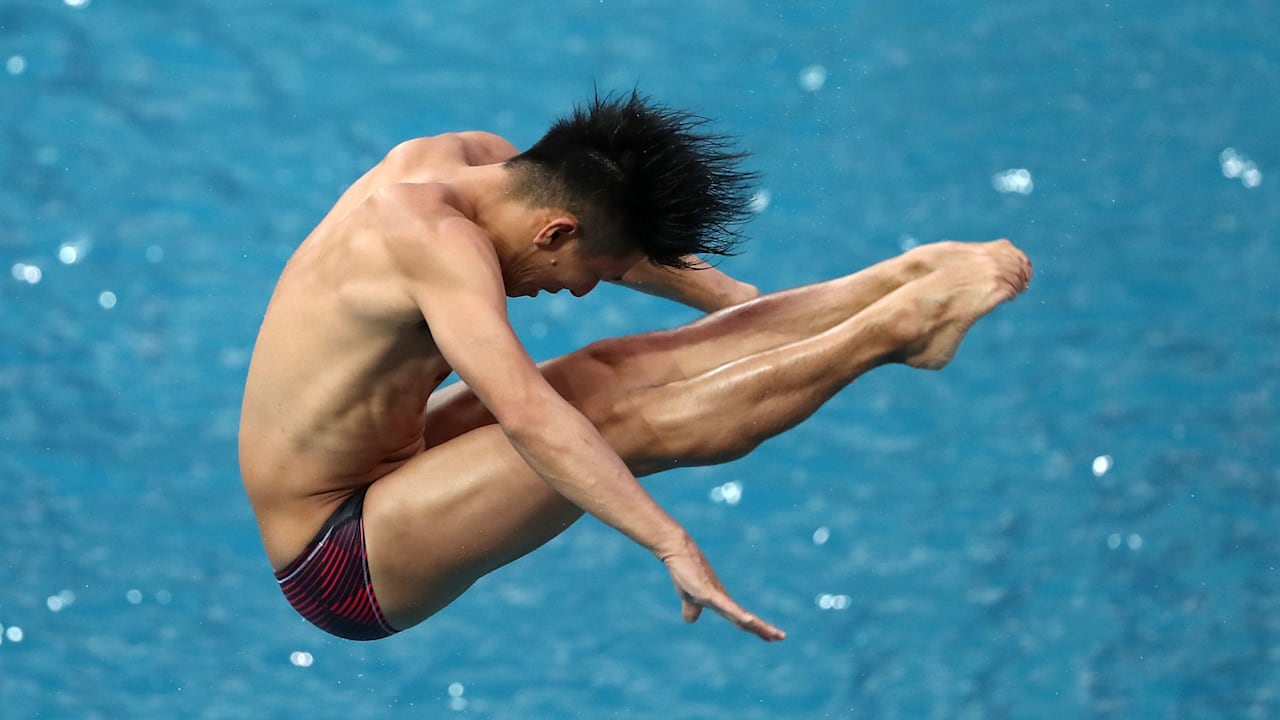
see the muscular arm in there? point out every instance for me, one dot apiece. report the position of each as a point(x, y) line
point(702, 287)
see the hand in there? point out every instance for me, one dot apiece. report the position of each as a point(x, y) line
point(699, 587)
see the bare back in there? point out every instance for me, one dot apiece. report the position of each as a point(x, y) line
point(344, 363)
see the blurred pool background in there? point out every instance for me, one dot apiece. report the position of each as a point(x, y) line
point(1078, 519)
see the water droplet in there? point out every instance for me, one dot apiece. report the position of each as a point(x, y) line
point(821, 536)
point(16, 65)
point(301, 659)
point(107, 300)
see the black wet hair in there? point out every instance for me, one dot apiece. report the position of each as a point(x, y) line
point(639, 176)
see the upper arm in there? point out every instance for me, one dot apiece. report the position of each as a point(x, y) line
point(454, 278)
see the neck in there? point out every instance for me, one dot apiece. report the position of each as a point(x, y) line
point(508, 221)
point(485, 190)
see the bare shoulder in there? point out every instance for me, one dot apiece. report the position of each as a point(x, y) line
point(427, 235)
point(488, 147)
point(474, 147)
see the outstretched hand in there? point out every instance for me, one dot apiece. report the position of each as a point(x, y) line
point(700, 588)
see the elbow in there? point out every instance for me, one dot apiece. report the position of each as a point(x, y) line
point(524, 423)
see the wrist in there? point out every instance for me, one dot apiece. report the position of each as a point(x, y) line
point(673, 543)
point(744, 292)
point(734, 293)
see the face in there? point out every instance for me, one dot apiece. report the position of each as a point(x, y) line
point(579, 273)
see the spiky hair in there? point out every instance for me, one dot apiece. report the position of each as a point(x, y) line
point(640, 176)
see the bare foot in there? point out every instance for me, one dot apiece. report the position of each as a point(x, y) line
point(864, 288)
point(924, 259)
point(969, 283)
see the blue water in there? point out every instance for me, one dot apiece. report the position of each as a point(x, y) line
point(1078, 519)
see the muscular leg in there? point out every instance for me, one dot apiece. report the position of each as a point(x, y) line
point(658, 358)
point(471, 504)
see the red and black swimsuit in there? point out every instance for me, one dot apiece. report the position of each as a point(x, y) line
point(328, 584)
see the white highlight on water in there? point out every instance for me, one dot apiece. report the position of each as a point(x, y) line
point(821, 536)
point(301, 659)
point(1015, 180)
point(64, 599)
point(759, 201)
point(828, 601)
point(812, 78)
point(29, 274)
point(1101, 465)
point(457, 703)
point(16, 65)
point(74, 251)
point(729, 493)
point(1238, 166)
point(1134, 541)
point(107, 300)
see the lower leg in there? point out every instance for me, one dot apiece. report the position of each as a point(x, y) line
point(727, 411)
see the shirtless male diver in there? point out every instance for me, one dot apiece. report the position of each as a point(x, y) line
point(382, 498)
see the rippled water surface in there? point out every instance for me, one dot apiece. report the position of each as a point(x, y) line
point(1077, 519)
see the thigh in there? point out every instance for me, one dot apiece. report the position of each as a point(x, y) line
point(591, 379)
point(452, 514)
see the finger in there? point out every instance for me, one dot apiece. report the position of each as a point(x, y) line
point(764, 630)
point(690, 611)
point(734, 613)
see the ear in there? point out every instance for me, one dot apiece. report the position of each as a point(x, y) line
point(556, 231)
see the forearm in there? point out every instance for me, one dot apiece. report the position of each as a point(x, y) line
point(567, 451)
point(702, 286)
